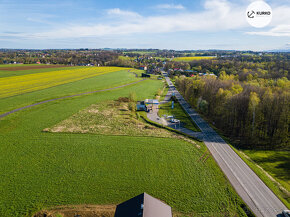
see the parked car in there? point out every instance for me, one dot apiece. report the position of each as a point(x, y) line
point(286, 213)
point(174, 120)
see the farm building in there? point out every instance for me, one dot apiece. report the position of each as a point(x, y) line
point(147, 104)
point(141, 106)
point(143, 67)
point(143, 205)
point(151, 103)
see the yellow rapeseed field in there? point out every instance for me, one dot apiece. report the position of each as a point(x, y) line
point(11, 86)
point(187, 59)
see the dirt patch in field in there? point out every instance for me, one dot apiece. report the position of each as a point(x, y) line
point(79, 211)
point(108, 118)
point(21, 68)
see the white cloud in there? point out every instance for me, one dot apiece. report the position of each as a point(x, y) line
point(280, 30)
point(170, 6)
point(119, 12)
point(217, 15)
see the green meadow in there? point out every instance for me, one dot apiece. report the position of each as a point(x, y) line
point(45, 169)
point(276, 163)
point(100, 82)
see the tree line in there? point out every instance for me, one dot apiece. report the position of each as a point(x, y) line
point(252, 116)
point(66, 57)
point(244, 68)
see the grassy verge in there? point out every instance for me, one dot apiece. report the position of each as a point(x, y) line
point(272, 183)
point(275, 162)
point(164, 92)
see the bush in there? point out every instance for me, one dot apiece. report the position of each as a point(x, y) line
point(133, 97)
point(132, 106)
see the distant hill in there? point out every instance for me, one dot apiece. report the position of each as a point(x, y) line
point(280, 50)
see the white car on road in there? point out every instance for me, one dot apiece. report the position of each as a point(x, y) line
point(174, 120)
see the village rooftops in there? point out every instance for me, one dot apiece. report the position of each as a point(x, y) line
point(143, 205)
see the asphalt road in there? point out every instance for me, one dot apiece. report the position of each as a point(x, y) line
point(259, 198)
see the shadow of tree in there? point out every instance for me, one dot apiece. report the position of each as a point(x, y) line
point(280, 163)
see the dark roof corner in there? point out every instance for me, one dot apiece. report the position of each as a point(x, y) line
point(143, 205)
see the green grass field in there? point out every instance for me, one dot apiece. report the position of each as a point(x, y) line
point(108, 118)
point(43, 169)
point(100, 82)
point(276, 163)
point(15, 85)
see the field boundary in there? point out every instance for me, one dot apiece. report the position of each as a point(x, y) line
point(65, 97)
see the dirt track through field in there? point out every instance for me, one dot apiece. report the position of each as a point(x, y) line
point(65, 97)
point(20, 68)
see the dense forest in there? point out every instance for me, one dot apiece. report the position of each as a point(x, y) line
point(249, 100)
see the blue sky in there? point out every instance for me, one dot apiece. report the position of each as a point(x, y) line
point(163, 24)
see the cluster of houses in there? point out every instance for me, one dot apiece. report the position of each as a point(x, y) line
point(89, 64)
point(5, 62)
point(191, 72)
point(153, 69)
point(206, 74)
point(181, 70)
